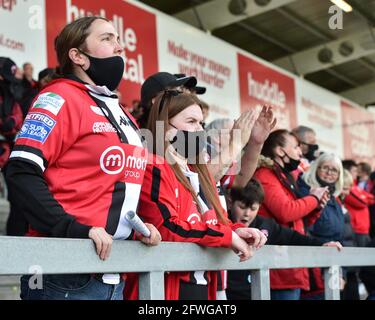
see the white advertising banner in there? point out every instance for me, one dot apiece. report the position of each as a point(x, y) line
point(23, 32)
point(184, 49)
point(320, 110)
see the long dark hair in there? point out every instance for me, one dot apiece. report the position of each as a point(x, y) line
point(168, 104)
point(278, 138)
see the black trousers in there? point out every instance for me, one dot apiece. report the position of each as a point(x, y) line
point(17, 225)
point(191, 291)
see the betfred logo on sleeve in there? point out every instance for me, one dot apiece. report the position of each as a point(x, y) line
point(128, 160)
point(49, 101)
point(37, 126)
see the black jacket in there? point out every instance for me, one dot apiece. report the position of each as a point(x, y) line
point(367, 274)
point(239, 286)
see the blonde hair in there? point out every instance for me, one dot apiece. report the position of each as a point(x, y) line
point(348, 179)
point(310, 176)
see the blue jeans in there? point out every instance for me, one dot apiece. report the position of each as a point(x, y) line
point(287, 294)
point(371, 296)
point(71, 287)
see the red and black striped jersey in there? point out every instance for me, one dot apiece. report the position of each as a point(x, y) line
point(89, 153)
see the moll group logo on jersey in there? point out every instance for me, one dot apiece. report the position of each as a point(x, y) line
point(136, 29)
point(112, 160)
point(260, 85)
point(128, 160)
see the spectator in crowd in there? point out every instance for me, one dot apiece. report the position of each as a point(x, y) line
point(327, 171)
point(244, 204)
point(205, 111)
point(157, 83)
point(348, 237)
point(307, 140)
point(364, 171)
point(352, 167)
point(219, 133)
point(45, 77)
point(179, 195)
point(372, 207)
point(358, 202)
point(350, 291)
point(28, 71)
point(59, 197)
point(284, 202)
point(10, 111)
point(30, 88)
point(219, 165)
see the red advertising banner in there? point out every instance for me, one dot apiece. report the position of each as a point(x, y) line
point(135, 26)
point(358, 132)
point(260, 84)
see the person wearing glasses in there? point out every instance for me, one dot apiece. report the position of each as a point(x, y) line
point(327, 171)
point(310, 149)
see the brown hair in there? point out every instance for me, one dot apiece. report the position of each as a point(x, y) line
point(277, 138)
point(73, 35)
point(168, 104)
point(365, 167)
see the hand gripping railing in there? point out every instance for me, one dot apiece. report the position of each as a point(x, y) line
point(21, 255)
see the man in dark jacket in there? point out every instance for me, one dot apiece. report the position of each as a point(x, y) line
point(10, 122)
point(244, 205)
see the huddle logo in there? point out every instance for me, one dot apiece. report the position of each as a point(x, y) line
point(112, 160)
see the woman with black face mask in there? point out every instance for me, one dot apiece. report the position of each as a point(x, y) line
point(179, 195)
point(69, 172)
point(284, 202)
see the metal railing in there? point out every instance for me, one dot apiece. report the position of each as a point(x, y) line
point(20, 255)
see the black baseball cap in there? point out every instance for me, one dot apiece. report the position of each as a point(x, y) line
point(160, 81)
point(8, 68)
point(45, 72)
point(196, 89)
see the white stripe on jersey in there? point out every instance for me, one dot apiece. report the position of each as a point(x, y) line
point(199, 277)
point(118, 114)
point(132, 190)
point(130, 203)
point(29, 156)
point(194, 181)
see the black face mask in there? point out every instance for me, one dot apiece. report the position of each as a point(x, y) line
point(292, 164)
point(105, 71)
point(331, 186)
point(189, 144)
point(310, 155)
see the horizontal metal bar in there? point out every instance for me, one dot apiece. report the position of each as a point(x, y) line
point(22, 255)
